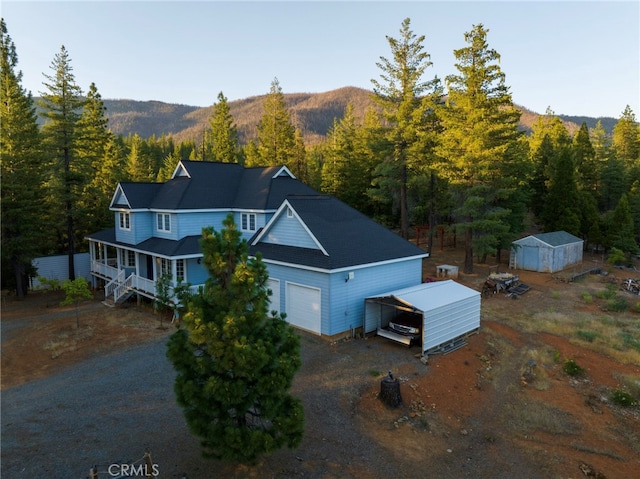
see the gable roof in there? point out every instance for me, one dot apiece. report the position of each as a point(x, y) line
point(555, 238)
point(347, 237)
point(213, 185)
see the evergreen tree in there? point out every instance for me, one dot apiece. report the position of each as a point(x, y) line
point(405, 100)
point(626, 138)
point(276, 133)
point(92, 148)
point(298, 161)
point(621, 233)
point(235, 362)
point(480, 135)
point(561, 209)
point(343, 175)
point(21, 169)
point(613, 183)
point(223, 135)
point(542, 158)
point(62, 106)
point(584, 159)
point(139, 161)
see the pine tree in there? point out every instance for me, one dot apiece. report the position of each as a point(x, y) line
point(584, 159)
point(626, 138)
point(139, 161)
point(405, 100)
point(21, 161)
point(223, 134)
point(276, 133)
point(235, 361)
point(480, 133)
point(62, 106)
point(92, 148)
point(621, 234)
point(561, 210)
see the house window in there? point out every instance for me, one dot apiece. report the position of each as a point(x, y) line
point(164, 221)
point(165, 266)
point(129, 259)
point(180, 270)
point(289, 213)
point(125, 221)
point(248, 222)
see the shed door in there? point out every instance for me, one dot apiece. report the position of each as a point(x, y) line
point(274, 286)
point(303, 307)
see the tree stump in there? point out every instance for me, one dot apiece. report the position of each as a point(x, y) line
point(390, 391)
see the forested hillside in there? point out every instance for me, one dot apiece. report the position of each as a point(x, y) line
point(408, 153)
point(313, 113)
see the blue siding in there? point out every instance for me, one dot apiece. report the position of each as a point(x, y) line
point(196, 273)
point(347, 297)
point(307, 278)
point(142, 224)
point(289, 231)
point(190, 224)
point(342, 302)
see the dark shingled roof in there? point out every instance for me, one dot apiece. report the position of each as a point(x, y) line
point(187, 246)
point(349, 237)
point(212, 185)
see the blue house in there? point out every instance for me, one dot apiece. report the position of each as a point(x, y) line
point(324, 258)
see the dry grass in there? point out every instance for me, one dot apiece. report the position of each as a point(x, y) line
point(617, 336)
point(530, 416)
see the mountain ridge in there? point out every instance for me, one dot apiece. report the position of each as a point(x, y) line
point(312, 113)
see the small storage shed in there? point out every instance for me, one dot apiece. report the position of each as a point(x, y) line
point(449, 311)
point(546, 252)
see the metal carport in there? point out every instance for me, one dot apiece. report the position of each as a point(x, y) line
point(450, 311)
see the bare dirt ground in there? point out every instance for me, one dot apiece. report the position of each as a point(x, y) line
point(501, 406)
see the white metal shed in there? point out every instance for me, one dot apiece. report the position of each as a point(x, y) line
point(546, 252)
point(450, 311)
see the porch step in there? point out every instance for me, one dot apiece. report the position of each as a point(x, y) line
point(109, 302)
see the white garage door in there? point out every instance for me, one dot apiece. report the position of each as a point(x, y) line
point(274, 286)
point(303, 307)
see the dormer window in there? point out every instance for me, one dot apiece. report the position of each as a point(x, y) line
point(125, 220)
point(248, 222)
point(164, 222)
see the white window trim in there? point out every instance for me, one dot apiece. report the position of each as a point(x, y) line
point(124, 220)
point(161, 219)
point(247, 217)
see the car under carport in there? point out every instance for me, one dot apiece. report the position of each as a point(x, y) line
point(449, 312)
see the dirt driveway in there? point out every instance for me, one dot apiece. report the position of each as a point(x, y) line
point(500, 407)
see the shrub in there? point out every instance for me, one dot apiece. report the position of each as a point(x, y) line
point(571, 368)
point(636, 308)
point(609, 292)
point(617, 305)
point(555, 295)
point(54, 284)
point(587, 297)
point(588, 336)
point(623, 398)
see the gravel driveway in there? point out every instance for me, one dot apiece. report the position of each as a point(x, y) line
point(110, 409)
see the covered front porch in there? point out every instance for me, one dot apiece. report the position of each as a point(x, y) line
point(125, 270)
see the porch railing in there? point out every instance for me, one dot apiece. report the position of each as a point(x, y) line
point(104, 269)
point(111, 286)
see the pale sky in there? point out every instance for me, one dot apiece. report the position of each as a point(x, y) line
point(575, 57)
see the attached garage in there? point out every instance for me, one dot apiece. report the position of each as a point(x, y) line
point(449, 311)
point(303, 307)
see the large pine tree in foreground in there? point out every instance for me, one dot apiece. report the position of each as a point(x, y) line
point(236, 361)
